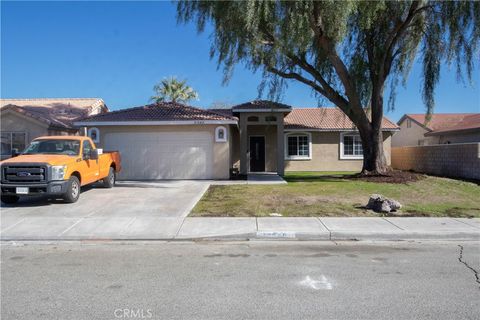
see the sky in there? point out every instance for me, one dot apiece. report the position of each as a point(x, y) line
point(118, 50)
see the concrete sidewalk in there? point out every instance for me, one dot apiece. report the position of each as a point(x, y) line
point(331, 228)
point(164, 228)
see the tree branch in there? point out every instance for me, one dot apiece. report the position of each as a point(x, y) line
point(396, 34)
point(325, 89)
point(335, 97)
point(326, 45)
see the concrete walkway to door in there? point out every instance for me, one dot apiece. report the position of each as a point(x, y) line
point(131, 210)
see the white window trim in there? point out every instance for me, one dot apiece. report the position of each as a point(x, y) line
point(97, 131)
point(344, 156)
point(225, 136)
point(296, 134)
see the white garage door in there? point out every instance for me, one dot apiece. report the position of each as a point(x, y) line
point(163, 155)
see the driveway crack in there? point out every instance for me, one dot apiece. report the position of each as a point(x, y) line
point(460, 259)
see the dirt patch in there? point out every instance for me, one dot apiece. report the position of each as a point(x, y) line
point(394, 176)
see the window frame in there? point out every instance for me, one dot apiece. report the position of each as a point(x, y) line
point(344, 156)
point(409, 123)
point(11, 133)
point(225, 136)
point(298, 134)
point(97, 131)
point(271, 119)
point(83, 150)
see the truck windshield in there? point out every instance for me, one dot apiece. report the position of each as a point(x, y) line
point(66, 147)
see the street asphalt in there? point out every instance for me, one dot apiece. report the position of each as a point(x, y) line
point(240, 280)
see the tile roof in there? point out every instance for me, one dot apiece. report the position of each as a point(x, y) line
point(56, 112)
point(166, 111)
point(224, 112)
point(441, 121)
point(325, 119)
point(261, 104)
point(457, 123)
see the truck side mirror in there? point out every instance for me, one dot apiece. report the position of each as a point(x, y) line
point(94, 154)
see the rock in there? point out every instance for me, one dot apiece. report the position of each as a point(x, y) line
point(394, 204)
point(373, 199)
point(379, 203)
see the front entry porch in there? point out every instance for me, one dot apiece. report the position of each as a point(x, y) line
point(265, 178)
point(261, 143)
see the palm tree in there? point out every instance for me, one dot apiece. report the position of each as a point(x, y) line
point(173, 90)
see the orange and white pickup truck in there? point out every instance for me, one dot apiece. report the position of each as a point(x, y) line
point(57, 166)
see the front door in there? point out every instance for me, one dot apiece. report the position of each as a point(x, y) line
point(257, 154)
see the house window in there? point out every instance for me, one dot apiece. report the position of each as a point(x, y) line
point(12, 142)
point(94, 134)
point(252, 119)
point(409, 123)
point(271, 119)
point(220, 134)
point(298, 146)
point(350, 146)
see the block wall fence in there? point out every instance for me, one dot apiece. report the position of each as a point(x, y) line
point(450, 160)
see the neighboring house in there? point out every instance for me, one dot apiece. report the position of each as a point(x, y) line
point(174, 141)
point(23, 120)
point(443, 128)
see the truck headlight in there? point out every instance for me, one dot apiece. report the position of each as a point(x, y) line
point(58, 172)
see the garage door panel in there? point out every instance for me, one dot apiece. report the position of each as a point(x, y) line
point(163, 155)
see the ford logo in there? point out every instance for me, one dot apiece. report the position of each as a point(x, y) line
point(23, 174)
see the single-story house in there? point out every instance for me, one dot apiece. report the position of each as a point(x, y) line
point(442, 128)
point(23, 120)
point(175, 141)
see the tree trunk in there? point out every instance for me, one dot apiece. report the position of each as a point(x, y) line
point(374, 162)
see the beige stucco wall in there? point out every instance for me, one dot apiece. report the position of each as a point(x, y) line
point(411, 136)
point(416, 133)
point(326, 155)
point(235, 147)
point(14, 122)
point(220, 152)
point(452, 160)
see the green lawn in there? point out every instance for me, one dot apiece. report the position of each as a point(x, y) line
point(334, 194)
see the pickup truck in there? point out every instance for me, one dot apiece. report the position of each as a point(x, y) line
point(57, 166)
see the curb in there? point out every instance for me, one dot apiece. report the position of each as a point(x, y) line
point(281, 236)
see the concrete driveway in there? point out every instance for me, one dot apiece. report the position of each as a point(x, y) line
point(131, 210)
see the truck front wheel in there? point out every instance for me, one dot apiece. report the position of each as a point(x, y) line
point(73, 190)
point(109, 181)
point(10, 199)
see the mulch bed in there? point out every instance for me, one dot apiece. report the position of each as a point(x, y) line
point(394, 176)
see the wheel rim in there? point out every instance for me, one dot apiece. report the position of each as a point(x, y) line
point(75, 189)
point(112, 179)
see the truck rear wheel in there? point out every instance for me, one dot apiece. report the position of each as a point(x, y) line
point(73, 190)
point(10, 199)
point(109, 181)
